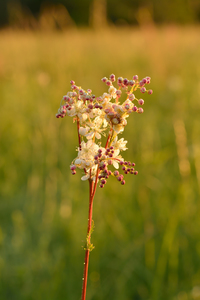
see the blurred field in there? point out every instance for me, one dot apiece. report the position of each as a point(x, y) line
point(147, 233)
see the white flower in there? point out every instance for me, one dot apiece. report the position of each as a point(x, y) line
point(83, 130)
point(119, 144)
point(112, 91)
point(91, 173)
point(116, 159)
point(86, 153)
point(120, 127)
point(78, 109)
point(95, 128)
point(105, 99)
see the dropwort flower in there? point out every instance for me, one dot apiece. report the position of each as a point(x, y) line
point(96, 116)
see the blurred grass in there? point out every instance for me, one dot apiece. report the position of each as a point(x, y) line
point(147, 233)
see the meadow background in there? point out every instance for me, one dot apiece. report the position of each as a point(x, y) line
point(147, 233)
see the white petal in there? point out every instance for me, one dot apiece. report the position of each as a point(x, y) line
point(115, 164)
point(84, 117)
point(116, 152)
point(97, 135)
point(90, 135)
point(85, 177)
point(89, 143)
point(82, 130)
point(78, 161)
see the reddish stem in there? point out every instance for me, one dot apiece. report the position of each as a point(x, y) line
point(108, 139)
point(79, 138)
point(87, 251)
point(92, 188)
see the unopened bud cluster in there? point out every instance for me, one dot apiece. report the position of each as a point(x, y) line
point(103, 116)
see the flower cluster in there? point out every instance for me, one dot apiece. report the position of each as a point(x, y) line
point(103, 116)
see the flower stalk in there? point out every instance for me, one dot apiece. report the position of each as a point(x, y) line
point(97, 117)
point(89, 246)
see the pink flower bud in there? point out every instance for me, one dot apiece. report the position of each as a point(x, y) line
point(148, 79)
point(143, 90)
point(125, 81)
point(131, 97)
point(103, 181)
point(73, 167)
point(131, 82)
point(104, 79)
point(127, 106)
point(116, 173)
point(140, 101)
point(140, 110)
point(112, 77)
point(150, 92)
point(108, 82)
point(144, 80)
point(119, 80)
point(118, 93)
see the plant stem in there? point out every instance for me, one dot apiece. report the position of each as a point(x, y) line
point(79, 138)
point(92, 188)
point(87, 251)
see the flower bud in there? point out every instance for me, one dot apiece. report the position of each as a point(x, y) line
point(131, 97)
point(73, 167)
point(112, 77)
point(116, 173)
point(118, 93)
point(140, 110)
point(119, 81)
point(150, 92)
point(140, 101)
point(108, 82)
point(131, 82)
point(125, 81)
point(143, 90)
point(103, 181)
point(104, 79)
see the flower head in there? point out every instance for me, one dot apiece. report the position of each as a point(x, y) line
point(103, 116)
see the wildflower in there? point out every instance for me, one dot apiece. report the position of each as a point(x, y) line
point(119, 144)
point(103, 115)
